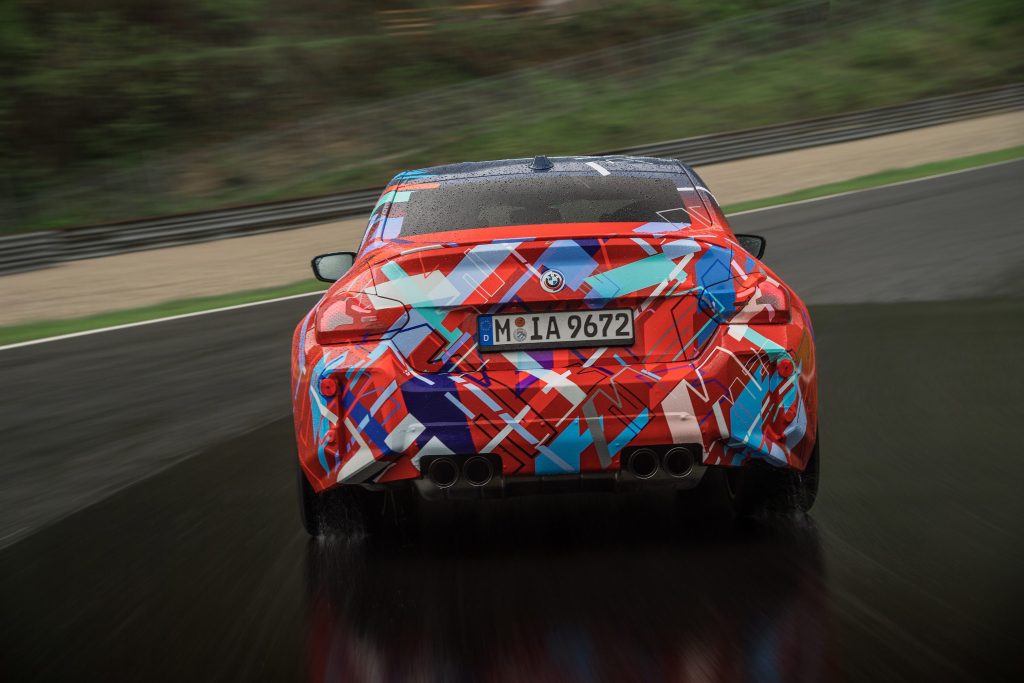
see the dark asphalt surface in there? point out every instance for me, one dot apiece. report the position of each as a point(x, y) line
point(951, 237)
point(909, 567)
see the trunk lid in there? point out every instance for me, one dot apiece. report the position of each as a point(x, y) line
point(447, 286)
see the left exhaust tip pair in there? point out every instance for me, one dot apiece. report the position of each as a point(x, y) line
point(476, 471)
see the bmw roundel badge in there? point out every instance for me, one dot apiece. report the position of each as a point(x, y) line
point(552, 281)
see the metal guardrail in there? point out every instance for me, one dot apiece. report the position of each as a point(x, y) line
point(41, 249)
point(31, 251)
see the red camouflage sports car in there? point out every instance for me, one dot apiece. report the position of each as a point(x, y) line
point(545, 325)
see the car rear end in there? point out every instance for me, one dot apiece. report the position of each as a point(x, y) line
point(632, 349)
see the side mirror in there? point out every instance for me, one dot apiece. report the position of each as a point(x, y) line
point(330, 267)
point(753, 243)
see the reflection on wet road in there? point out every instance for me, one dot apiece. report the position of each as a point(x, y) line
point(909, 567)
point(737, 605)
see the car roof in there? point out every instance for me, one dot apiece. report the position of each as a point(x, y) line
point(559, 165)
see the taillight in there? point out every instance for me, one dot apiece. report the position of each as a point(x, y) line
point(760, 301)
point(358, 316)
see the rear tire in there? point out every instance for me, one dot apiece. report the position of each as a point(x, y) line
point(309, 506)
point(752, 490)
point(352, 511)
point(760, 490)
point(333, 512)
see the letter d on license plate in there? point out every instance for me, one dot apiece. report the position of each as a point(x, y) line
point(565, 329)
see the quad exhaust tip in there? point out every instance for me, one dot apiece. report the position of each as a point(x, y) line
point(643, 463)
point(678, 462)
point(443, 473)
point(478, 470)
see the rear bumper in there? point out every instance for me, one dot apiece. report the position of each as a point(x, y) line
point(379, 422)
point(480, 476)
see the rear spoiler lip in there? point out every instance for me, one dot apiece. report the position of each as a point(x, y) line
point(705, 235)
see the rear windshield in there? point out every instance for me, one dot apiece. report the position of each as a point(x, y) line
point(531, 200)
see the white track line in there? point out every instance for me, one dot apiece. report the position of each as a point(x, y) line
point(297, 296)
point(154, 321)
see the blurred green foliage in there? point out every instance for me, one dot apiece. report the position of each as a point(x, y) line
point(100, 79)
point(94, 86)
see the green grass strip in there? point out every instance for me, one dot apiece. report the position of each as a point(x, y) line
point(38, 330)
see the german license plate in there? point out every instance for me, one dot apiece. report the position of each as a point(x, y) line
point(565, 329)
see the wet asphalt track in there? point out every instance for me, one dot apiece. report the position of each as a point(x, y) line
point(910, 566)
